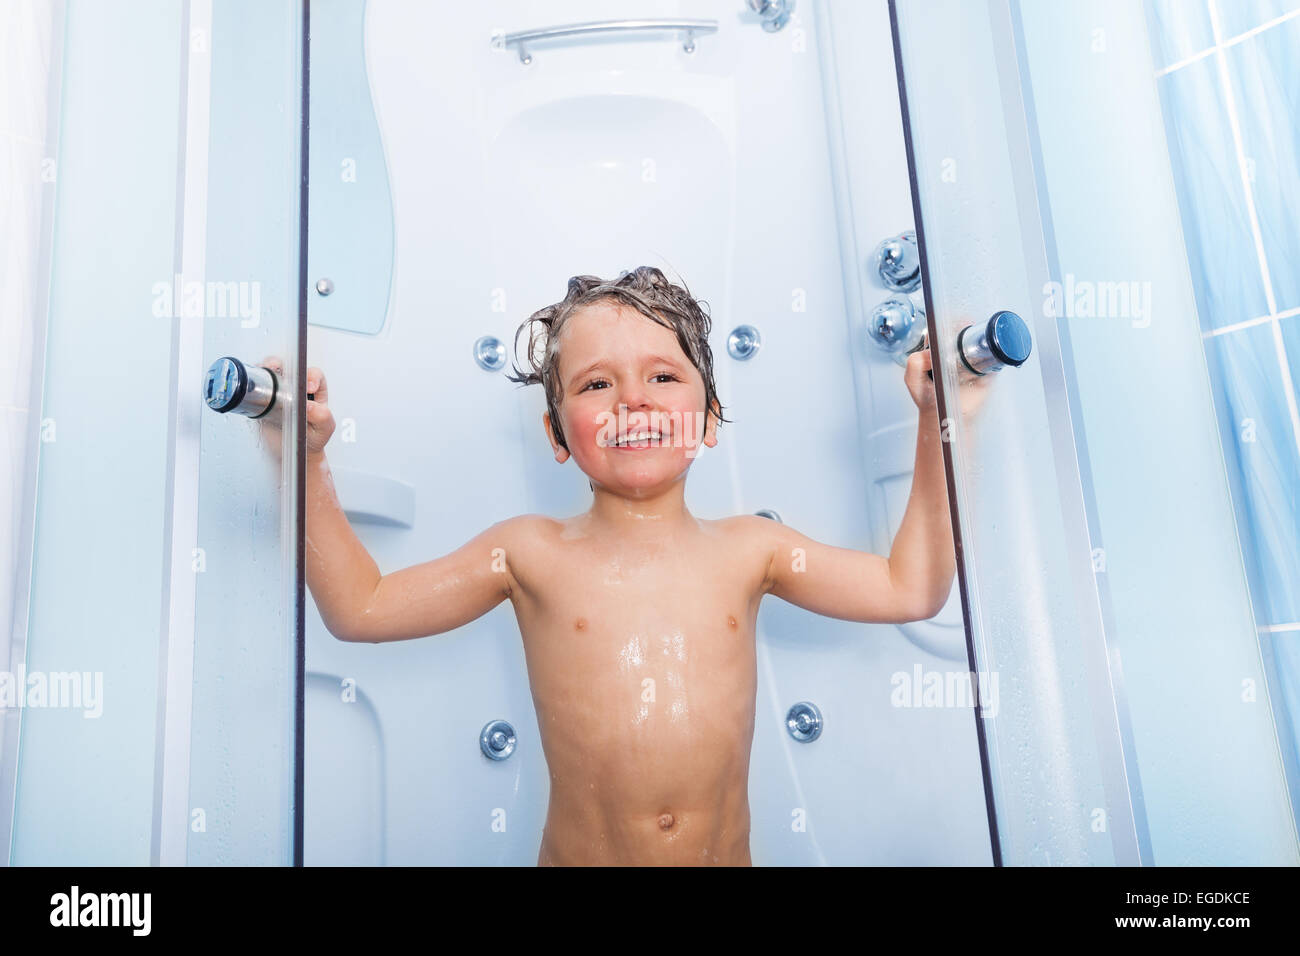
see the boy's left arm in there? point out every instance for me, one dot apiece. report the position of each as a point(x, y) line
point(913, 583)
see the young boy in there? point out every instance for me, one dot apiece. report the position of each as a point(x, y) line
point(637, 618)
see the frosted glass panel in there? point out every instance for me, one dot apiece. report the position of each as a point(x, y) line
point(163, 606)
point(1171, 574)
point(84, 788)
point(242, 761)
point(1053, 743)
point(1103, 575)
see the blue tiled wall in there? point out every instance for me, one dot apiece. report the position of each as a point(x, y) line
point(1229, 77)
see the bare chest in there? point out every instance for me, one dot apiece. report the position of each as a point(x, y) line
point(631, 629)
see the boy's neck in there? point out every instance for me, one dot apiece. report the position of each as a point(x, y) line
point(625, 515)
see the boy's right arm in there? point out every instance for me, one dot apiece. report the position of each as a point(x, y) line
point(356, 602)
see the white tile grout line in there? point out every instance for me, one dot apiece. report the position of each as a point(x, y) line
point(1194, 58)
point(1270, 299)
point(1287, 389)
point(1210, 51)
point(1249, 323)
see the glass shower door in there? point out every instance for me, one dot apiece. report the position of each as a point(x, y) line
point(245, 739)
point(163, 597)
point(1102, 580)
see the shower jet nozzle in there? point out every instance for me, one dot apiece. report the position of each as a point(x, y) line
point(775, 13)
point(898, 327)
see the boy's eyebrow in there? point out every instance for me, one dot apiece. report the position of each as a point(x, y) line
point(599, 363)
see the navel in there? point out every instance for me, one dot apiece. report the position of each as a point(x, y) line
point(665, 821)
point(580, 624)
point(731, 620)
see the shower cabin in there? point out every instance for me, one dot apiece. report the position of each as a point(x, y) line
point(386, 189)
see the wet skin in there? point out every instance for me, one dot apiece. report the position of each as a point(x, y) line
point(641, 658)
point(637, 618)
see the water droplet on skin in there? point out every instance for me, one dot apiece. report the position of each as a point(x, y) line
point(631, 655)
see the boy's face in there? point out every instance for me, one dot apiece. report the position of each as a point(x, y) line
point(623, 374)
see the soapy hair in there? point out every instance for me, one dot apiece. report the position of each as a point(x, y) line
point(645, 289)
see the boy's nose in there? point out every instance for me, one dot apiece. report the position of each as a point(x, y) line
point(634, 399)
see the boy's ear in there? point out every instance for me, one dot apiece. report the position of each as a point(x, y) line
point(711, 429)
point(561, 453)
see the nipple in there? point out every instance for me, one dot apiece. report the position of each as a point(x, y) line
point(665, 821)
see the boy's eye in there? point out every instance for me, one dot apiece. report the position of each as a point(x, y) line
point(601, 381)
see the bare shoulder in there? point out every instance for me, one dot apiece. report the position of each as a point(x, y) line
point(524, 534)
point(526, 540)
point(528, 527)
point(753, 538)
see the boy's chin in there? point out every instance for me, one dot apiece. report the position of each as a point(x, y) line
point(633, 486)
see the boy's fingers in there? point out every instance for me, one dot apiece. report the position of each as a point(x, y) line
point(316, 387)
point(918, 363)
point(315, 378)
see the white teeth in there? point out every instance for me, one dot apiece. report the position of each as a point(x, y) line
point(655, 436)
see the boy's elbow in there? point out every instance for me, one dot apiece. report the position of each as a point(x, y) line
point(355, 624)
point(341, 634)
point(931, 609)
point(935, 602)
point(922, 607)
point(348, 631)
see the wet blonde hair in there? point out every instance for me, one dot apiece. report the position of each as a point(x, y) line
point(645, 289)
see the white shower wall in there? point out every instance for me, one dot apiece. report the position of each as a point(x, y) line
point(762, 169)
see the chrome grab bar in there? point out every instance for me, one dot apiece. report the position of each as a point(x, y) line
point(689, 29)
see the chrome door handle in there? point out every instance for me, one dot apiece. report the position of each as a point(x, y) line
point(1003, 340)
point(234, 386)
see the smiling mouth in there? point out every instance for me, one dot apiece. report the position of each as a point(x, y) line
point(646, 439)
